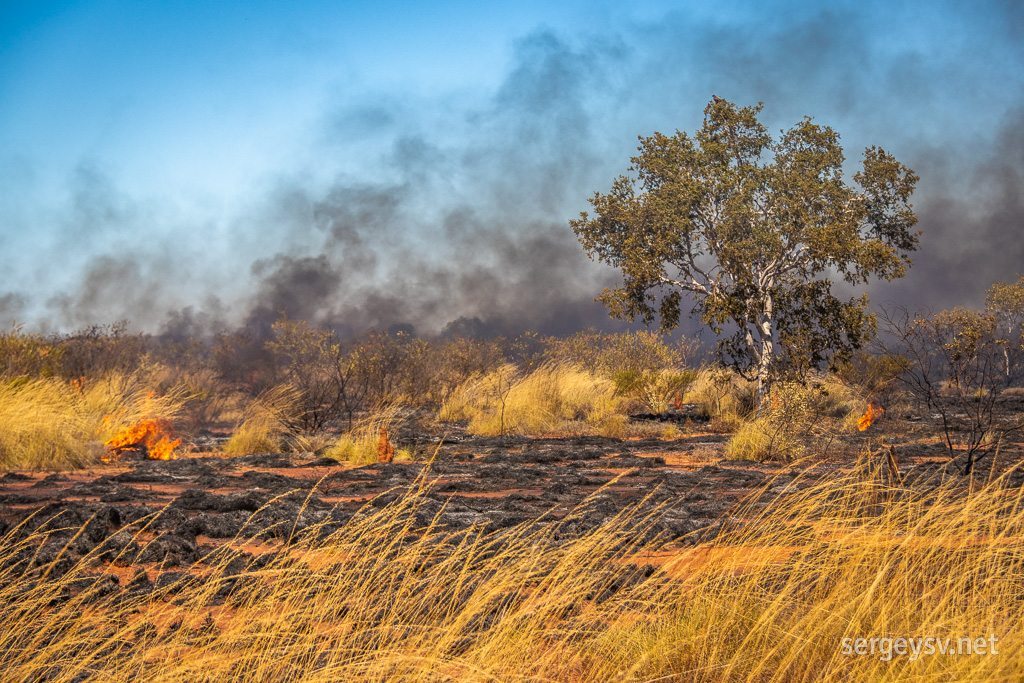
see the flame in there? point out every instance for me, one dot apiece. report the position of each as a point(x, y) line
point(149, 434)
point(873, 413)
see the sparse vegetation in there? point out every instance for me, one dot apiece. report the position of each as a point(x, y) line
point(266, 423)
point(955, 364)
point(361, 445)
point(602, 592)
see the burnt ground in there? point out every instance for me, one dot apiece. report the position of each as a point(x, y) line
point(206, 500)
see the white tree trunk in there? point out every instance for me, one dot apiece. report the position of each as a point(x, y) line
point(764, 367)
point(764, 374)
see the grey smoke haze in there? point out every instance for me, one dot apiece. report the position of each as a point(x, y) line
point(427, 209)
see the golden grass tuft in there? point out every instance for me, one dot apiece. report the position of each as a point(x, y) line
point(391, 598)
point(44, 425)
point(543, 401)
point(723, 396)
point(265, 422)
point(360, 444)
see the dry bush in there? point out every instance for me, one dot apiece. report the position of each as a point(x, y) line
point(606, 353)
point(505, 401)
point(800, 418)
point(874, 377)
point(646, 368)
point(956, 364)
point(388, 598)
point(266, 422)
point(28, 355)
point(98, 351)
point(190, 364)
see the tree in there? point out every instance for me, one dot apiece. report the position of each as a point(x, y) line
point(752, 227)
point(1006, 303)
point(308, 356)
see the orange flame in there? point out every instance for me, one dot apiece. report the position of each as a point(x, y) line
point(149, 434)
point(873, 413)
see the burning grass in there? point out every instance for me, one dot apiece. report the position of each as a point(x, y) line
point(391, 596)
point(149, 435)
point(52, 424)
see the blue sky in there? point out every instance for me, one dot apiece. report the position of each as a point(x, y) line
point(197, 165)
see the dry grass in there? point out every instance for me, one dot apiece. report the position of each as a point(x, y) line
point(388, 599)
point(265, 423)
point(360, 444)
point(799, 419)
point(723, 396)
point(53, 424)
point(544, 401)
point(44, 424)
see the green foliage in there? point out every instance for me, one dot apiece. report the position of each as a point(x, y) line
point(752, 227)
point(1006, 303)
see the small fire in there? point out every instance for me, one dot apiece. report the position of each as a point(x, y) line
point(149, 434)
point(874, 412)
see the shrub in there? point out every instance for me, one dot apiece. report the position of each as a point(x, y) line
point(764, 439)
point(955, 366)
point(99, 351)
point(27, 355)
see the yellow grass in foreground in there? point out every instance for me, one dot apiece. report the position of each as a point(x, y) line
point(391, 597)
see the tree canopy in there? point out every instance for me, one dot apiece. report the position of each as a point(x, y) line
point(754, 228)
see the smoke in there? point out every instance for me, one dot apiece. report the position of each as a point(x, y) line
point(451, 211)
point(972, 220)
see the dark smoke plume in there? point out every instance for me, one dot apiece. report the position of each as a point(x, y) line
point(456, 216)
